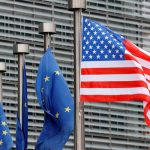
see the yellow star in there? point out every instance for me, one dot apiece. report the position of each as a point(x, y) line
point(46, 78)
point(42, 89)
point(25, 104)
point(4, 123)
point(57, 115)
point(1, 142)
point(67, 109)
point(48, 111)
point(57, 73)
point(5, 132)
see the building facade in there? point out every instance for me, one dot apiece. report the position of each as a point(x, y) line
point(108, 126)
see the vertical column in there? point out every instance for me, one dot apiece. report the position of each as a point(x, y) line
point(47, 29)
point(2, 70)
point(77, 6)
point(20, 50)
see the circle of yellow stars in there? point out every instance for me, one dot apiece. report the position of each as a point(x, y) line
point(4, 132)
point(67, 109)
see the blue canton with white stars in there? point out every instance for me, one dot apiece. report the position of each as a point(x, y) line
point(100, 43)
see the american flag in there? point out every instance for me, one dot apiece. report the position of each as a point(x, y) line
point(113, 68)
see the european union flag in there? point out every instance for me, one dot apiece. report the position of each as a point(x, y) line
point(55, 98)
point(20, 143)
point(22, 132)
point(6, 142)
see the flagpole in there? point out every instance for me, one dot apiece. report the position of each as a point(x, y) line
point(47, 29)
point(20, 50)
point(2, 70)
point(79, 139)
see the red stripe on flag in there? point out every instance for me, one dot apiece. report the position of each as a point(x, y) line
point(130, 57)
point(129, 70)
point(113, 84)
point(113, 98)
point(146, 109)
point(146, 70)
point(135, 51)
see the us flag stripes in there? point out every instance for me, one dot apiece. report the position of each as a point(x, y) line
point(112, 68)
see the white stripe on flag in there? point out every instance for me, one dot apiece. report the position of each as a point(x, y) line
point(143, 62)
point(113, 77)
point(143, 51)
point(113, 91)
point(147, 76)
point(110, 64)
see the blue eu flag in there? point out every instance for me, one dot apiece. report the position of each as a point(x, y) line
point(22, 132)
point(20, 144)
point(55, 99)
point(6, 142)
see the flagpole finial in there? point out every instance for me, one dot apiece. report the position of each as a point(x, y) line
point(77, 4)
point(2, 67)
point(47, 27)
point(21, 48)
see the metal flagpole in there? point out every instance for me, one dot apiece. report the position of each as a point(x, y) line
point(47, 29)
point(79, 140)
point(20, 50)
point(2, 69)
